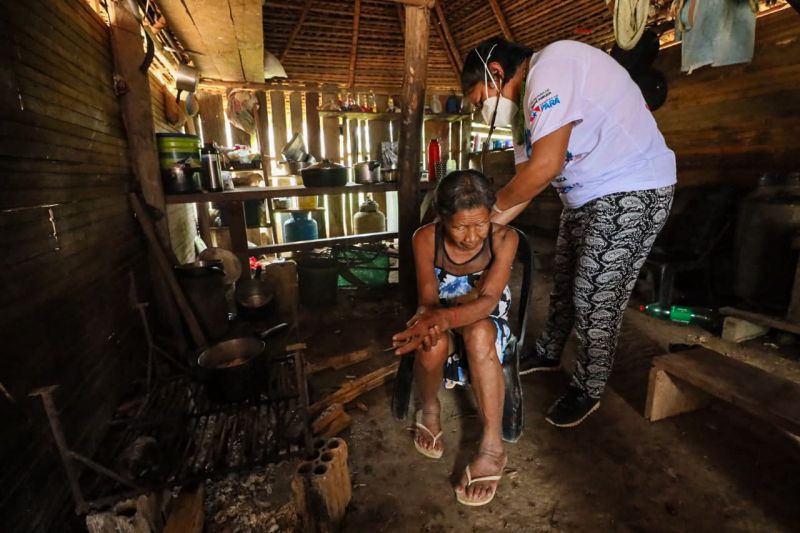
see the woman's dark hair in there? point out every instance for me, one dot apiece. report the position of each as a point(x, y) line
point(463, 189)
point(509, 55)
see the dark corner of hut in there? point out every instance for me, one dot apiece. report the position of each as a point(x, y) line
point(400, 265)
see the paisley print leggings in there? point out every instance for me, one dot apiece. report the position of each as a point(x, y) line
point(601, 247)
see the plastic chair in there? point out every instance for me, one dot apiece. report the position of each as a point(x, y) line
point(512, 407)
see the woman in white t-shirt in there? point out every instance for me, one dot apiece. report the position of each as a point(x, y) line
point(581, 125)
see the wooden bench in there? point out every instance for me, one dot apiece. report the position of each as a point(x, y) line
point(685, 381)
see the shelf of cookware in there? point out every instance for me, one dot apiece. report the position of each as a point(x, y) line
point(361, 115)
point(256, 193)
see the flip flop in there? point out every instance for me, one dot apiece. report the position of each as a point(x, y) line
point(433, 453)
point(461, 497)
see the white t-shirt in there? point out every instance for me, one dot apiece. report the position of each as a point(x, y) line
point(615, 145)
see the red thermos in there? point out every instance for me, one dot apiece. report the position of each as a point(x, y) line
point(434, 156)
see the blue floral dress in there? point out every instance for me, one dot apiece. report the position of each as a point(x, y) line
point(456, 281)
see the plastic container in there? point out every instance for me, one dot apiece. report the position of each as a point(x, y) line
point(179, 160)
point(301, 227)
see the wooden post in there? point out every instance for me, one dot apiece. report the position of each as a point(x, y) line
point(238, 233)
point(296, 109)
point(413, 102)
point(312, 122)
point(278, 120)
point(262, 129)
point(330, 132)
point(213, 117)
point(137, 116)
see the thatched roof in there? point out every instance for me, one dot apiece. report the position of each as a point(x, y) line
point(314, 39)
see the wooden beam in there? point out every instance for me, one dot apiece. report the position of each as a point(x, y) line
point(137, 116)
point(295, 30)
point(354, 46)
point(323, 243)
point(213, 117)
point(501, 20)
point(248, 26)
point(453, 59)
point(413, 103)
point(448, 40)
point(427, 4)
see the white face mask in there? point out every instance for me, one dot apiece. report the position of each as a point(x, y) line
point(506, 111)
point(506, 108)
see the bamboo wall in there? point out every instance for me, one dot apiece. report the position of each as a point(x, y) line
point(69, 245)
point(730, 124)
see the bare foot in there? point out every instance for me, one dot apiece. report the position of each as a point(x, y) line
point(430, 419)
point(486, 463)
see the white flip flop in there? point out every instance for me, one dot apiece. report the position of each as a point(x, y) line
point(433, 453)
point(461, 496)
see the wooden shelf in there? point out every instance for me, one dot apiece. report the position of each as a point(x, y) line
point(258, 193)
point(360, 115)
point(297, 210)
point(322, 243)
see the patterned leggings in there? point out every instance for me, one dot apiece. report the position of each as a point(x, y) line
point(601, 247)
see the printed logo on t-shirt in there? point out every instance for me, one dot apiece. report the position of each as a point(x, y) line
point(544, 106)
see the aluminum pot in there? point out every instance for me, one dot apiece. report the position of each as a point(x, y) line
point(236, 370)
point(368, 172)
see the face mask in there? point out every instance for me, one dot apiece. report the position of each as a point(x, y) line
point(506, 111)
point(506, 108)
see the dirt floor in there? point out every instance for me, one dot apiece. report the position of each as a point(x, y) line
point(713, 470)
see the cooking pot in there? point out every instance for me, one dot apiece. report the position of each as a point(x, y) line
point(186, 79)
point(324, 174)
point(254, 296)
point(368, 172)
point(236, 370)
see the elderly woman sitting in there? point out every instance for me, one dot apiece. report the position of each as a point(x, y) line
point(460, 330)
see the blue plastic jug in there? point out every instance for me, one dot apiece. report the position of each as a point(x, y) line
point(301, 227)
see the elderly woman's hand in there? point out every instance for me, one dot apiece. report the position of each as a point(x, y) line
point(424, 330)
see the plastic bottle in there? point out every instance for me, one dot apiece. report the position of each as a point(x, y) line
point(434, 156)
point(698, 316)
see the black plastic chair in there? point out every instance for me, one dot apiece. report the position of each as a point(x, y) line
point(513, 419)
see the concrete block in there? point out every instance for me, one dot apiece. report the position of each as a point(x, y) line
point(740, 330)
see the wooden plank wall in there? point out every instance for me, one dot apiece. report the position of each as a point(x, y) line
point(730, 124)
point(181, 217)
point(69, 246)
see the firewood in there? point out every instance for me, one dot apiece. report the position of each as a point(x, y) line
point(350, 391)
point(339, 424)
point(326, 418)
point(186, 515)
point(339, 361)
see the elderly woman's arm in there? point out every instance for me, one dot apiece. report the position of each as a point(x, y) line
point(495, 281)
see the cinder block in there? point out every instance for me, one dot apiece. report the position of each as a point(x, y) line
point(739, 330)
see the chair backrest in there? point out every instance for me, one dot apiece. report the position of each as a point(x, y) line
point(524, 257)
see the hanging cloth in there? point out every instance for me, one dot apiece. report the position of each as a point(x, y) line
point(717, 33)
point(630, 19)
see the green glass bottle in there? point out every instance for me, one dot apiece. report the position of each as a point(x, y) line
point(698, 316)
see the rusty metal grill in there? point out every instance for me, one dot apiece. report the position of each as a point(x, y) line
point(198, 439)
